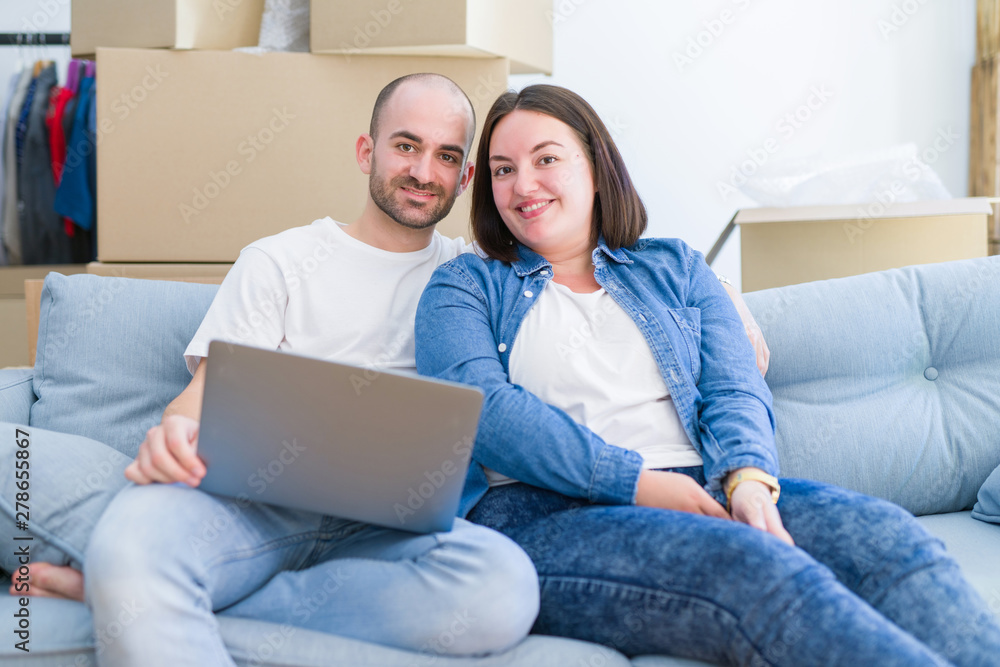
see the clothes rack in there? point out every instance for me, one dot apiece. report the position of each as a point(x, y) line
point(34, 39)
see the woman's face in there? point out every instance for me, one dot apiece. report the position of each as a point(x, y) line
point(543, 183)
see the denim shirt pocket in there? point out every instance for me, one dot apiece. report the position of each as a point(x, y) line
point(689, 324)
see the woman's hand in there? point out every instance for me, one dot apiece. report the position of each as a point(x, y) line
point(675, 491)
point(751, 504)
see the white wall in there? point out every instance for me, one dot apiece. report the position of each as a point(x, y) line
point(683, 128)
point(45, 16)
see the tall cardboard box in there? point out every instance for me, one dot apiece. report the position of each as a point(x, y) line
point(224, 148)
point(520, 30)
point(13, 309)
point(785, 246)
point(176, 24)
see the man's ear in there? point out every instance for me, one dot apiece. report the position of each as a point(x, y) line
point(470, 170)
point(363, 149)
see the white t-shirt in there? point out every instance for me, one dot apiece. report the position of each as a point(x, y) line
point(583, 354)
point(317, 291)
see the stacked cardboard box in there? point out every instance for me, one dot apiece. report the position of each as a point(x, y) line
point(786, 246)
point(520, 30)
point(984, 151)
point(13, 309)
point(200, 151)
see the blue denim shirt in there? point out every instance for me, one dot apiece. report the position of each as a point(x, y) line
point(466, 325)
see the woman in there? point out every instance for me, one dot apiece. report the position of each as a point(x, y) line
point(627, 438)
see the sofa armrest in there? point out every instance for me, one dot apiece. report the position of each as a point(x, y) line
point(16, 395)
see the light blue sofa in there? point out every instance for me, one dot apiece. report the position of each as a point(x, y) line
point(888, 383)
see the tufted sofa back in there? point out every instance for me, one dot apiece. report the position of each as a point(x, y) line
point(889, 383)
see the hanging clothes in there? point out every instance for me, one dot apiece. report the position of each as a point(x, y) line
point(75, 197)
point(11, 221)
point(58, 100)
point(43, 239)
point(11, 87)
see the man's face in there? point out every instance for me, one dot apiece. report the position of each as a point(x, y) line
point(418, 164)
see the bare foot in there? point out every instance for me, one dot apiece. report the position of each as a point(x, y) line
point(51, 581)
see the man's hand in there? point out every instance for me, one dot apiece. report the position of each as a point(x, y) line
point(168, 454)
point(751, 504)
point(754, 333)
point(675, 491)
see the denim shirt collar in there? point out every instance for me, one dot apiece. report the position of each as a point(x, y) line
point(529, 261)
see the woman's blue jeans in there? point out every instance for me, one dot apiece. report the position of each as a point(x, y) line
point(866, 585)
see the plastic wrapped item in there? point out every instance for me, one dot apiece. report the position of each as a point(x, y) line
point(896, 174)
point(284, 27)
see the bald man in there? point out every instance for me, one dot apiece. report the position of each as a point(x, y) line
point(170, 554)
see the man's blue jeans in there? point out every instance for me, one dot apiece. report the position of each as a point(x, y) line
point(163, 557)
point(865, 586)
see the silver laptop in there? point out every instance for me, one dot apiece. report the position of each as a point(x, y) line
point(383, 447)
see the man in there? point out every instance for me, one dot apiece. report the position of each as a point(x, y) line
point(345, 293)
point(176, 553)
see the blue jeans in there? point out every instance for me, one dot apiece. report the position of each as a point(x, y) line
point(164, 557)
point(866, 585)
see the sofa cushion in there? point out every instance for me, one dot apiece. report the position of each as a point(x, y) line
point(988, 506)
point(886, 383)
point(16, 395)
point(974, 546)
point(110, 354)
point(70, 480)
point(62, 634)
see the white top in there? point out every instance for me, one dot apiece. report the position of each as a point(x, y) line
point(316, 291)
point(583, 354)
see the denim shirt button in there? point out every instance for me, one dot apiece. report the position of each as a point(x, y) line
point(931, 373)
point(544, 272)
point(529, 293)
point(502, 347)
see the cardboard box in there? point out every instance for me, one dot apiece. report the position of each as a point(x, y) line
point(12, 277)
point(520, 30)
point(225, 148)
point(13, 314)
point(164, 271)
point(177, 24)
point(13, 333)
point(785, 246)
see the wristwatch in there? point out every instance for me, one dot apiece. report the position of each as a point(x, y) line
point(752, 474)
point(724, 280)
